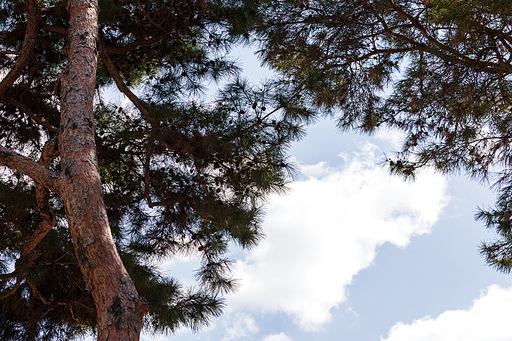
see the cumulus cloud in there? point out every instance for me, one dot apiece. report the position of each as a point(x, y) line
point(326, 230)
point(277, 337)
point(487, 319)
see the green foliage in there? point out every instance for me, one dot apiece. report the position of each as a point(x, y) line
point(186, 176)
point(181, 176)
point(448, 63)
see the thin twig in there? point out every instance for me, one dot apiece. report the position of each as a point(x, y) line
point(38, 119)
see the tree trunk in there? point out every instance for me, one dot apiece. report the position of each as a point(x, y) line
point(119, 307)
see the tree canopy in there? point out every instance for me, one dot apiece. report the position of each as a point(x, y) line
point(180, 174)
point(438, 70)
point(173, 173)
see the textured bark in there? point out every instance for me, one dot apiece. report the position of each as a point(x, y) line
point(119, 307)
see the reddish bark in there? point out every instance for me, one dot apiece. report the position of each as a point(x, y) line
point(119, 307)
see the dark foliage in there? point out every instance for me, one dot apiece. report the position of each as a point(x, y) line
point(181, 176)
point(448, 64)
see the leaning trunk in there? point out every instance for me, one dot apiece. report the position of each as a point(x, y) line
point(119, 307)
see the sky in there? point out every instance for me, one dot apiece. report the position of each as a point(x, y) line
point(353, 253)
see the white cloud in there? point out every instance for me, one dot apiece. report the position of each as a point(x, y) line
point(326, 230)
point(241, 326)
point(488, 319)
point(277, 337)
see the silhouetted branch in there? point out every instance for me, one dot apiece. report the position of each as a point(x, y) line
point(26, 49)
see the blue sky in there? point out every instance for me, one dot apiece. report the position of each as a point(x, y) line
point(352, 253)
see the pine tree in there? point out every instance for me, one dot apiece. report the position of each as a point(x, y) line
point(93, 193)
point(448, 64)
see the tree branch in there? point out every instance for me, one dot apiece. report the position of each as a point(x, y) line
point(38, 119)
point(29, 167)
point(50, 152)
point(55, 29)
point(450, 54)
point(111, 68)
point(29, 42)
point(37, 293)
point(12, 290)
point(29, 253)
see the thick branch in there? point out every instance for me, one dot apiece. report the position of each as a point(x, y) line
point(29, 167)
point(55, 29)
point(144, 109)
point(26, 49)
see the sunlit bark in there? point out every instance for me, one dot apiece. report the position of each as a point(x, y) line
point(119, 307)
